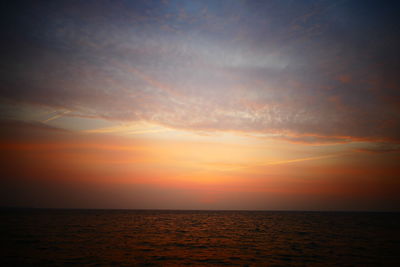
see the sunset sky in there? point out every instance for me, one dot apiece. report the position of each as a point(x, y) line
point(260, 105)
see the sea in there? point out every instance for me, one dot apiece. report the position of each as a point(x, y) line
point(51, 237)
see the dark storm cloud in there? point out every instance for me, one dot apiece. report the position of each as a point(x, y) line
point(312, 71)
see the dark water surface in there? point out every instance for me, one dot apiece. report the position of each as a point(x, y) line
point(199, 238)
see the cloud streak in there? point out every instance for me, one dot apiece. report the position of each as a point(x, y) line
point(379, 148)
point(56, 116)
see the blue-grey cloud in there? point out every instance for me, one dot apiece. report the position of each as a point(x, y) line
point(304, 70)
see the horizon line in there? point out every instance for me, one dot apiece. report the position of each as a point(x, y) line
point(196, 210)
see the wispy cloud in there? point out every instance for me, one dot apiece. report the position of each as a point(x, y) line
point(129, 129)
point(305, 159)
point(56, 116)
point(379, 148)
point(296, 72)
point(256, 165)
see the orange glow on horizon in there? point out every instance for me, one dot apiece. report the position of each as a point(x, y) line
point(213, 172)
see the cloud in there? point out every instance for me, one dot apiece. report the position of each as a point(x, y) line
point(227, 67)
point(23, 125)
point(56, 116)
point(379, 148)
point(129, 130)
point(304, 159)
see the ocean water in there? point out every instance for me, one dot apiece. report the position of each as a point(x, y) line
point(199, 238)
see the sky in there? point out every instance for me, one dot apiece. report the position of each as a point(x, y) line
point(254, 105)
